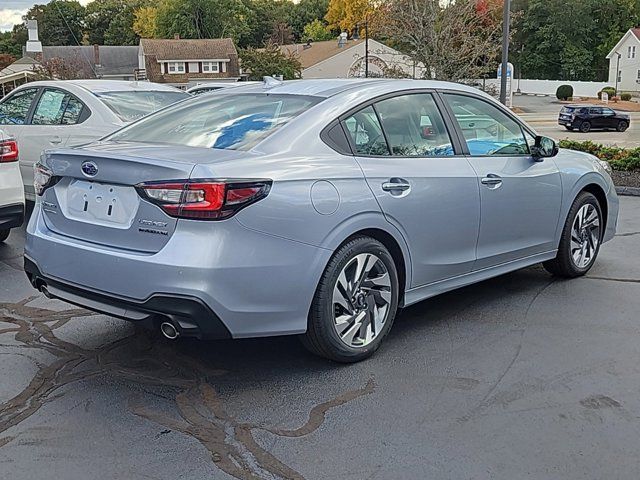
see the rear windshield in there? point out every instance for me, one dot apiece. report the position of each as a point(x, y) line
point(233, 122)
point(130, 106)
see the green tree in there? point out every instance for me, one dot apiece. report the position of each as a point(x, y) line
point(317, 31)
point(305, 12)
point(270, 61)
point(8, 45)
point(60, 22)
point(203, 19)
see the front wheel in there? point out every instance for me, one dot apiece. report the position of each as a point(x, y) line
point(355, 303)
point(4, 234)
point(581, 237)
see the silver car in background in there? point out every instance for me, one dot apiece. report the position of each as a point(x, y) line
point(58, 113)
point(314, 207)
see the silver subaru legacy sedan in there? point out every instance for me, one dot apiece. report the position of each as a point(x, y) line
point(313, 207)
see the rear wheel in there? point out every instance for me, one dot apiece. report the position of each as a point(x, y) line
point(622, 126)
point(4, 234)
point(585, 126)
point(355, 302)
point(581, 237)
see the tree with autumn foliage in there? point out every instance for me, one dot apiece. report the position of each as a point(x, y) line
point(344, 15)
point(457, 41)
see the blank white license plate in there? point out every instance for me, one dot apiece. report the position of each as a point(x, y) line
point(103, 204)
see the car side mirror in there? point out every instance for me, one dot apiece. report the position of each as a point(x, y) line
point(544, 147)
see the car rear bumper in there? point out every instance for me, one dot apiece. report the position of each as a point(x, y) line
point(11, 216)
point(223, 275)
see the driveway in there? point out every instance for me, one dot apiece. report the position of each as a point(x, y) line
point(520, 376)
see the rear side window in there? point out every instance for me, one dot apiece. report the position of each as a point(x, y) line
point(414, 127)
point(366, 133)
point(233, 122)
point(57, 107)
point(486, 128)
point(14, 110)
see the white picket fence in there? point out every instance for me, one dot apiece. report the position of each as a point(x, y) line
point(549, 87)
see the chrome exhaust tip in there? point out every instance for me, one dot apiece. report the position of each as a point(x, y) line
point(169, 330)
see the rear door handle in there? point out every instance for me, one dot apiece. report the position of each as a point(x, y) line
point(491, 180)
point(395, 186)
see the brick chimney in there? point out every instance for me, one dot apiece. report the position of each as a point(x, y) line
point(176, 36)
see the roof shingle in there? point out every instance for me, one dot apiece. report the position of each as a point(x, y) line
point(187, 49)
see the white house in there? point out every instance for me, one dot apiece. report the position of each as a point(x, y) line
point(346, 58)
point(624, 62)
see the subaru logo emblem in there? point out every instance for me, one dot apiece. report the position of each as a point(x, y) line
point(90, 169)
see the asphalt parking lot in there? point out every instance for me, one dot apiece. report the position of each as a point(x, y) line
point(541, 112)
point(522, 376)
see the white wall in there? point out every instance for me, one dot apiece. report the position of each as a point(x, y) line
point(549, 87)
point(629, 67)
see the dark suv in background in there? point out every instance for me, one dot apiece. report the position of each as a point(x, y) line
point(589, 117)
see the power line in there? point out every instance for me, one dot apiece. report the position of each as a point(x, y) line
point(55, 2)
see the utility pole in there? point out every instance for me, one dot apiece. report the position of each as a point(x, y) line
point(617, 71)
point(366, 46)
point(505, 51)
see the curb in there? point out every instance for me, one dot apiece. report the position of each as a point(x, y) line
point(628, 191)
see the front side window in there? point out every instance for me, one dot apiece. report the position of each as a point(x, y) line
point(414, 127)
point(57, 107)
point(366, 133)
point(486, 128)
point(233, 122)
point(595, 111)
point(15, 109)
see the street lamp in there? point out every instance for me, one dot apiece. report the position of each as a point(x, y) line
point(505, 51)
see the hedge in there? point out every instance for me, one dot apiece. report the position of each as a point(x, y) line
point(619, 158)
point(564, 92)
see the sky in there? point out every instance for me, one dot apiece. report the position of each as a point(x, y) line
point(11, 11)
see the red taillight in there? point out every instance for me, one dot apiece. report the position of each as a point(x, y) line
point(8, 151)
point(203, 199)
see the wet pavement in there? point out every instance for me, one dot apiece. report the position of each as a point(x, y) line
point(520, 376)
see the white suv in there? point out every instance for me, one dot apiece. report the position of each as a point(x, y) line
point(11, 191)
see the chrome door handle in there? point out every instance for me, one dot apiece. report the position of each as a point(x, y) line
point(491, 180)
point(395, 186)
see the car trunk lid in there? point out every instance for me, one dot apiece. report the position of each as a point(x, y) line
point(95, 199)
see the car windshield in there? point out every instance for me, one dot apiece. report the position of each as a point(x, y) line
point(233, 122)
point(132, 105)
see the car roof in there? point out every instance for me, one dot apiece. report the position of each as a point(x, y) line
point(98, 86)
point(334, 86)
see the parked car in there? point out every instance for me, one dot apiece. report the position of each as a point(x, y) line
point(46, 114)
point(313, 207)
point(11, 191)
point(214, 86)
point(591, 117)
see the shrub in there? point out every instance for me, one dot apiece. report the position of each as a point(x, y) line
point(610, 91)
point(564, 92)
point(619, 158)
point(625, 97)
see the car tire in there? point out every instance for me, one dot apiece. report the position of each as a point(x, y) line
point(622, 126)
point(585, 127)
point(581, 238)
point(350, 316)
point(569, 128)
point(4, 234)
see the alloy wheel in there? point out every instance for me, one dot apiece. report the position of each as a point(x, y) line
point(361, 300)
point(585, 235)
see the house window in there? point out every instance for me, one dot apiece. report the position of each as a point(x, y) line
point(631, 51)
point(210, 67)
point(619, 76)
point(175, 67)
